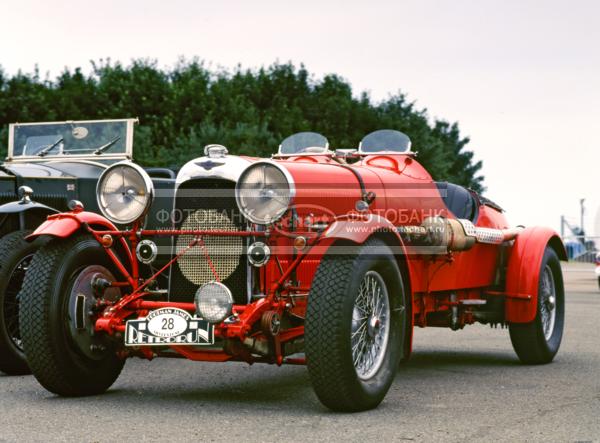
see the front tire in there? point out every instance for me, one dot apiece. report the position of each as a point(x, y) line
point(538, 342)
point(15, 257)
point(355, 327)
point(64, 354)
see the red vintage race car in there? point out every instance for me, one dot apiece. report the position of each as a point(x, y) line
point(315, 257)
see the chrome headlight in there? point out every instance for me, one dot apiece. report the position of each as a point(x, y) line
point(124, 193)
point(264, 192)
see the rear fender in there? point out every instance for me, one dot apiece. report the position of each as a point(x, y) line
point(523, 271)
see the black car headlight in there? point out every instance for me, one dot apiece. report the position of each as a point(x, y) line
point(264, 192)
point(124, 193)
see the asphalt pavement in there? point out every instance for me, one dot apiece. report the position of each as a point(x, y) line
point(465, 385)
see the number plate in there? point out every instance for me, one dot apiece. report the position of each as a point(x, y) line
point(169, 326)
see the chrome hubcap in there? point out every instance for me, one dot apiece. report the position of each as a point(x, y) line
point(84, 306)
point(374, 326)
point(370, 325)
point(548, 302)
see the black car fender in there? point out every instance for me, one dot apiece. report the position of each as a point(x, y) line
point(23, 206)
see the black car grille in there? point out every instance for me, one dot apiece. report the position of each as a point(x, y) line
point(208, 205)
point(56, 201)
point(7, 197)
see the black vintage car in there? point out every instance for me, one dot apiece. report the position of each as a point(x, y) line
point(49, 167)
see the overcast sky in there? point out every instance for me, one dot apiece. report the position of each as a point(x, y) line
point(522, 78)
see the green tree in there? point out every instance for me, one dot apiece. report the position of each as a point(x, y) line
point(249, 110)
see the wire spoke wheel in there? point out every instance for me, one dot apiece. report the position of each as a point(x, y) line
point(548, 302)
point(11, 301)
point(356, 326)
point(370, 325)
point(16, 255)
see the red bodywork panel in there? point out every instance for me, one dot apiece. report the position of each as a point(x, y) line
point(405, 195)
point(405, 192)
point(475, 268)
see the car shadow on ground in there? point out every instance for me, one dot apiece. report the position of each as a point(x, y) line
point(279, 400)
point(459, 358)
point(271, 388)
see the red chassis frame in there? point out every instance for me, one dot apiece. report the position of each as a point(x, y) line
point(132, 305)
point(431, 280)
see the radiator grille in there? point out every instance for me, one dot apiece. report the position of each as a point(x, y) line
point(59, 202)
point(208, 205)
point(7, 197)
point(224, 252)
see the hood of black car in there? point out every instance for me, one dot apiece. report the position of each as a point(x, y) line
point(60, 169)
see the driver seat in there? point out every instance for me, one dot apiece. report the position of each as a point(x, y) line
point(459, 200)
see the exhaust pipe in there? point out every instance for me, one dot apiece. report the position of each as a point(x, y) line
point(455, 234)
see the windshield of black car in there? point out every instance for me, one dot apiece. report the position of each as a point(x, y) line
point(73, 138)
point(304, 143)
point(385, 140)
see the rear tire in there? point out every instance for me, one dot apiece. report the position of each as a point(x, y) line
point(67, 359)
point(538, 342)
point(15, 257)
point(353, 345)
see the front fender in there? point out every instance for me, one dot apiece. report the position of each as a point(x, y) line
point(358, 229)
point(67, 223)
point(523, 271)
point(21, 206)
